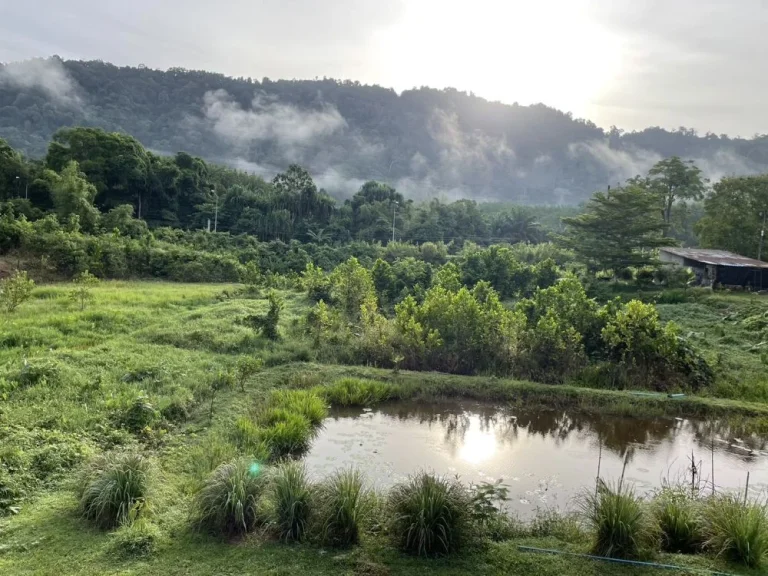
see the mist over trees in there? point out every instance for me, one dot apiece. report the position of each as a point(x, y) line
point(423, 142)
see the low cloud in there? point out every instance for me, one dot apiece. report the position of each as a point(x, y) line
point(268, 120)
point(47, 75)
point(619, 164)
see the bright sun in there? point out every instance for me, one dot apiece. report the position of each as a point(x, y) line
point(549, 51)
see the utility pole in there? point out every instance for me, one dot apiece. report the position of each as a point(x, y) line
point(762, 237)
point(216, 212)
point(394, 213)
point(26, 187)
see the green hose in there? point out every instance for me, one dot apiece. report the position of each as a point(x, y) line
point(621, 561)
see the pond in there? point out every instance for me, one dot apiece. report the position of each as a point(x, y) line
point(544, 457)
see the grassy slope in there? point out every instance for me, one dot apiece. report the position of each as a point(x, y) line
point(166, 341)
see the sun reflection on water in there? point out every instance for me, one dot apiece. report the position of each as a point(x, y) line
point(478, 445)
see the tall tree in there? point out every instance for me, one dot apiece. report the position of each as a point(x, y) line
point(619, 228)
point(675, 180)
point(13, 172)
point(116, 164)
point(734, 215)
point(73, 195)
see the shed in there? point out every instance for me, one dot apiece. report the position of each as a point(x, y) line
point(719, 267)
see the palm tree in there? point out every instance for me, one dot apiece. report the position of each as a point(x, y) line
point(517, 225)
point(318, 237)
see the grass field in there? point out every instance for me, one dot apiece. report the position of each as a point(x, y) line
point(70, 380)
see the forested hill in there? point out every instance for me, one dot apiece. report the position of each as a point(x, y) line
point(425, 142)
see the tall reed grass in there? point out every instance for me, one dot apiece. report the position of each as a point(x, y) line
point(344, 504)
point(358, 392)
point(430, 515)
point(737, 530)
point(288, 501)
point(678, 515)
point(114, 489)
point(622, 528)
point(228, 502)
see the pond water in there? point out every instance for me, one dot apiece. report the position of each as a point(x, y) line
point(544, 457)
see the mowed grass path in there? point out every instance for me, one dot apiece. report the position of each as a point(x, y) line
point(83, 369)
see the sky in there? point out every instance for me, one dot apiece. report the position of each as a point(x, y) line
point(629, 63)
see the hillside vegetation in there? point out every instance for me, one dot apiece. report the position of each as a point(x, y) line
point(424, 142)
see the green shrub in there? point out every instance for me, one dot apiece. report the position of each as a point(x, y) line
point(651, 351)
point(57, 457)
point(343, 504)
point(39, 371)
point(550, 351)
point(114, 488)
point(81, 293)
point(248, 437)
point(175, 411)
point(358, 392)
point(138, 539)
point(228, 501)
point(679, 520)
point(10, 494)
point(289, 500)
point(224, 380)
point(289, 434)
point(621, 527)
point(140, 415)
point(212, 451)
point(736, 530)
point(316, 283)
point(303, 402)
point(430, 515)
point(267, 323)
point(247, 367)
point(15, 290)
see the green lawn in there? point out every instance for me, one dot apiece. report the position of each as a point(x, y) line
point(68, 378)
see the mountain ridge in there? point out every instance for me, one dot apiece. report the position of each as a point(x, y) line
point(425, 142)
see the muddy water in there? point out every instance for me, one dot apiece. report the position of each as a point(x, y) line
point(544, 457)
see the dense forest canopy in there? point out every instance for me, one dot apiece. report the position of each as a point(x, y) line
point(423, 142)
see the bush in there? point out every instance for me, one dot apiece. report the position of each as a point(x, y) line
point(316, 283)
point(303, 402)
point(267, 323)
point(736, 530)
point(140, 415)
point(81, 293)
point(115, 488)
point(137, 539)
point(344, 504)
point(431, 515)
point(39, 371)
point(550, 351)
point(175, 411)
point(357, 392)
point(679, 520)
point(228, 502)
point(289, 500)
point(15, 290)
point(287, 433)
point(248, 437)
point(247, 367)
point(651, 351)
point(622, 529)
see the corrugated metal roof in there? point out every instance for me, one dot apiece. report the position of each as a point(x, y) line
point(717, 257)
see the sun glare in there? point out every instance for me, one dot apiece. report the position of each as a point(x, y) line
point(479, 445)
point(526, 52)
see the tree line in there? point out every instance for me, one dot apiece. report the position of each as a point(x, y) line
point(99, 182)
point(88, 171)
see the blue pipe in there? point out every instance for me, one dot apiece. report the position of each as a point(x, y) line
point(620, 560)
